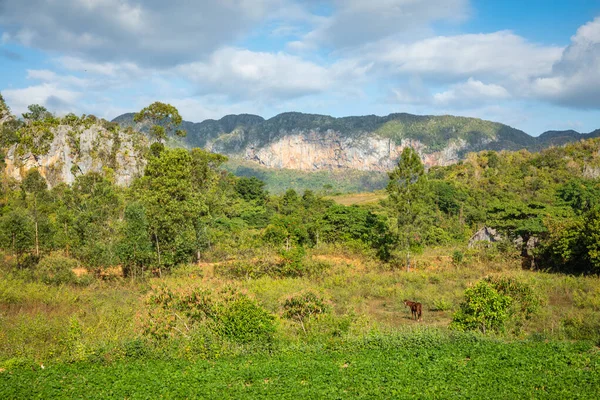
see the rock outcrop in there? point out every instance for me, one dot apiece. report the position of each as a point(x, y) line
point(330, 151)
point(80, 149)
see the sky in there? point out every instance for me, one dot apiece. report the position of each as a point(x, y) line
point(531, 64)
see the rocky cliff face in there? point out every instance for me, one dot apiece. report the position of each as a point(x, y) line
point(313, 151)
point(79, 149)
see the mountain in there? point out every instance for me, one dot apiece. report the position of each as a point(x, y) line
point(312, 142)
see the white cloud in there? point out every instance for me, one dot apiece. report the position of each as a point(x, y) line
point(265, 76)
point(109, 69)
point(51, 77)
point(575, 79)
point(469, 93)
point(152, 32)
point(50, 95)
point(356, 22)
point(499, 54)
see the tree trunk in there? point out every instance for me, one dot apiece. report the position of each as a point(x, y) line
point(67, 239)
point(35, 216)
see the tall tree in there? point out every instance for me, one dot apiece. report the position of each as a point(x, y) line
point(18, 233)
point(34, 184)
point(164, 120)
point(135, 248)
point(407, 193)
point(36, 113)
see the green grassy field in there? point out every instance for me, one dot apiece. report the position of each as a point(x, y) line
point(425, 364)
point(92, 338)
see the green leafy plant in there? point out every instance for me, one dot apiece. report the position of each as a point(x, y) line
point(56, 269)
point(302, 306)
point(484, 309)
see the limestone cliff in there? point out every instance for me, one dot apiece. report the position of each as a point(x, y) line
point(313, 151)
point(78, 146)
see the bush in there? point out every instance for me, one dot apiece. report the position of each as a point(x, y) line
point(457, 257)
point(302, 306)
point(242, 320)
point(483, 309)
point(56, 270)
point(229, 314)
point(290, 264)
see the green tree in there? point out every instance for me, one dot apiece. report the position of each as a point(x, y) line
point(35, 185)
point(591, 239)
point(251, 189)
point(17, 229)
point(164, 120)
point(168, 194)
point(36, 113)
point(407, 201)
point(135, 247)
point(96, 203)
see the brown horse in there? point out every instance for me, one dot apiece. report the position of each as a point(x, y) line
point(415, 308)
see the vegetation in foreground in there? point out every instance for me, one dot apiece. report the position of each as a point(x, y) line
point(422, 364)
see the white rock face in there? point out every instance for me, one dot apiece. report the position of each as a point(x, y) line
point(313, 151)
point(73, 153)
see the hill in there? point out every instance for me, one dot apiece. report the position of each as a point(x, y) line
point(312, 142)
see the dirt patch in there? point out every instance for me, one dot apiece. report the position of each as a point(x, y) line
point(80, 271)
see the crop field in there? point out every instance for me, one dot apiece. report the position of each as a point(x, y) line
point(421, 364)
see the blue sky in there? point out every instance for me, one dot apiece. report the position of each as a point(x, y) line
point(532, 64)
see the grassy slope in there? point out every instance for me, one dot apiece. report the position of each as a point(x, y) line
point(362, 199)
point(421, 365)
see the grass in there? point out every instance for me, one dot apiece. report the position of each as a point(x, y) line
point(90, 338)
point(422, 365)
point(359, 198)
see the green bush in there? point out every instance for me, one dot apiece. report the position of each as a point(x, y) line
point(484, 309)
point(241, 319)
point(302, 306)
point(56, 270)
point(290, 264)
point(457, 257)
point(228, 313)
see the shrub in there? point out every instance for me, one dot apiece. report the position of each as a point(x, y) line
point(56, 270)
point(227, 313)
point(239, 318)
point(523, 296)
point(457, 257)
point(441, 305)
point(290, 264)
point(302, 306)
point(483, 309)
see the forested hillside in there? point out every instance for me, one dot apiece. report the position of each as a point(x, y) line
point(186, 207)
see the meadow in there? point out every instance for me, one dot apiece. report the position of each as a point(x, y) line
point(108, 336)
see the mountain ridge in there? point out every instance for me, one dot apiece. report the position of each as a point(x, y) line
point(313, 142)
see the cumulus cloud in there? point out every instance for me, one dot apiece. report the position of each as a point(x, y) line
point(153, 32)
point(575, 79)
point(499, 54)
point(50, 95)
point(355, 22)
point(241, 73)
point(470, 93)
point(51, 77)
